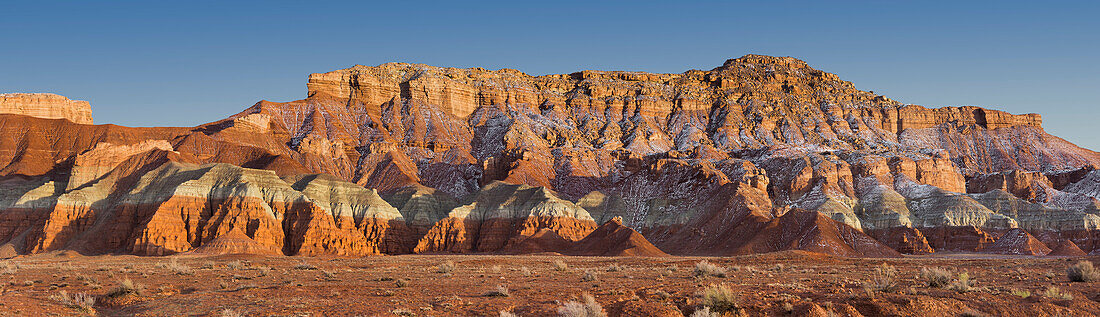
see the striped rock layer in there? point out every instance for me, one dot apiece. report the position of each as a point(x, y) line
point(759, 154)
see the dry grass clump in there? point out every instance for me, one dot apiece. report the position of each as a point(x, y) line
point(8, 267)
point(235, 265)
point(447, 267)
point(614, 268)
point(590, 308)
point(935, 277)
point(590, 276)
point(81, 301)
point(1083, 272)
point(1057, 293)
point(401, 282)
point(230, 313)
point(505, 313)
point(704, 268)
point(126, 287)
point(305, 267)
point(884, 279)
point(1021, 293)
point(175, 266)
point(499, 291)
point(525, 271)
point(560, 266)
point(705, 312)
point(963, 284)
point(720, 299)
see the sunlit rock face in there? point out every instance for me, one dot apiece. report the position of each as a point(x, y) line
point(754, 155)
point(48, 106)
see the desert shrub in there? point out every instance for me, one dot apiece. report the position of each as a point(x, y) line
point(1083, 272)
point(1021, 293)
point(505, 313)
point(720, 299)
point(884, 279)
point(705, 312)
point(401, 282)
point(525, 271)
point(7, 267)
point(962, 284)
point(81, 301)
point(614, 268)
point(175, 266)
point(126, 287)
point(1057, 293)
point(445, 268)
point(705, 268)
point(235, 265)
point(560, 266)
point(590, 308)
point(230, 313)
point(970, 312)
point(935, 277)
point(787, 307)
point(590, 276)
point(495, 269)
point(499, 291)
point(305, 267)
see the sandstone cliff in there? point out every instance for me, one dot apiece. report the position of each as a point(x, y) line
point(48, 106)
point(759, 154)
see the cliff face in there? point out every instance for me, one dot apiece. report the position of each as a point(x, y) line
point(48, 106)
point(751, 156)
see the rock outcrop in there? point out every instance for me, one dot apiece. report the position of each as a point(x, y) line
point(48, 106)
point(759, 154)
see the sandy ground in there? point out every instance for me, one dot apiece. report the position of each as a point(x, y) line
point(779, 284)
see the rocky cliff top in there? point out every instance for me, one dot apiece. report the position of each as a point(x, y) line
point(45, 105)
point(764, 86)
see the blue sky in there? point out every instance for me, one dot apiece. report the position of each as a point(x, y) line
point(190, 62)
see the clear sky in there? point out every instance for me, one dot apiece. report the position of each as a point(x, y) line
point(183, 63)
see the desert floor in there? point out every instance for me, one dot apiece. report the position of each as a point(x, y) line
point(779, 284)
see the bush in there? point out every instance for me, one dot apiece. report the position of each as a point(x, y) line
point(590, 276)
point(963, 284)
point(1021, 293)
point(884, 279)
point(721, 299)
point(445, 268)
point(704, 269)
point(1057, 293)
point(175, 266)
point(590, 308)
point(305, 267)
point(560, 266)
point(81, 301)
point(614, 268)
point(401, 282)
point(505, 313)
point(705, 312)
point(1083, 272)
point(231, 313)
point(126, 287)
point(935, 277)
point(500, 291)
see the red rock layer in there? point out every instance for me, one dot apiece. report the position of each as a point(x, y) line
point(953, 238)
point(1065, 248)
point(1018, 242)
point(903, 239)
